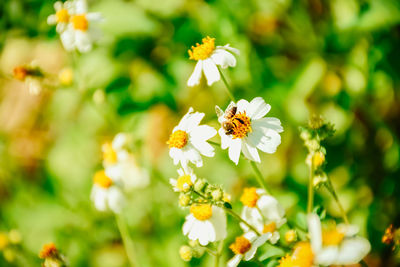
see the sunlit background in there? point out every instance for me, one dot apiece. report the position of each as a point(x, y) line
point(339, 59)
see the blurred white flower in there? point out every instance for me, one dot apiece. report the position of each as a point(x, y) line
point(62, 15)
point(105, 195)
point(185, 180)
point(80, 33)
point(121, 166)
point(208, 56)
point(336, 245)
point(205, 223)
point(245, 247)
point(188, 140)
point(243, 129)
point(263, 212)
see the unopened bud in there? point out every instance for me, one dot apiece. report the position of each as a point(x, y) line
point(217, 194)
point(66, 76)
point(184, 200)
point(318, 159)
point(305, 135)
point(320, 179)
point(199, 185)
point(290, 236)
point(312, 145)
point(226, 197)
point(185, 252)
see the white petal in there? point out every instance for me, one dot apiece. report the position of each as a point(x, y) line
point(218, 220)
point(52, 19)
point(210, 71)
point(80, 6)
point(83, 41)
point(223, 58)
point(191, 154)
point(203, 132)
point(58, 5)
point(119, 141)
point(176, 154)
point(326, 256)
point(115, 199)
point(194, 79)
point(269, 123)
point(235, 260)
point(225, 140)
point(61, 27)
point(94, 16)
point(271, 208)
point(68, 39)
point(99, 196)
point(250, 152)
point(314, 228)
point(242, 105)
point(352, 251)
point(266, 140)
point(229, 48)
point(204, 148)
point(187, 226)
point(258, 108)
point(190, 120)
point(234, 150)
point(275, 237)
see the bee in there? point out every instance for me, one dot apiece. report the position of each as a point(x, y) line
point(228, 124)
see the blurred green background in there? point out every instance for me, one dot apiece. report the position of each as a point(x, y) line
point(339, 59)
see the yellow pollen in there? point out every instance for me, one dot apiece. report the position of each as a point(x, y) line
point(249, 197)
point(331, 237)
point(48, 250)
point(101, 179)
point(201, 212)
point(178, 139)
point(204, 50)
point(269, 228)
point(184, 182)
point(241, 245)
point(20, 73)
point(62, 16)
point(109, 154)
point(287, 261)
point(241, 125)
point(80, 22)
point(290, 236)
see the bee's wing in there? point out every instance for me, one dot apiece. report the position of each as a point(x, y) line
point(230, 106)
point(219, 111)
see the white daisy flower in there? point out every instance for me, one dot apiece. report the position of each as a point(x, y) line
point(244, 129)
point(185, 181)
point(121, 166)
point(105, 195)
point(81, 32)
point(62, 15)
point(263, 212)
point(188, 140)
point(208, 56)
point(205, 223)
point(336, 245)
point(245, 247)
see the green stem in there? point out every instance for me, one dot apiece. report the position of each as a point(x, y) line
point(311, 188)
point(216, 262)
point(331, 189)
point(214, 143)
point(227, 87)
point(237, 217)
point(128, 243)
point(259, 176)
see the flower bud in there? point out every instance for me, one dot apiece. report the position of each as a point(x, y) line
point(305, 135)
point(320, 179)
point(184, 200)
point(66, 76)
point(290, 236)
point(185, 252)
point(199, 185)
point(312, 145)
point(217, 194)
point(318, 159)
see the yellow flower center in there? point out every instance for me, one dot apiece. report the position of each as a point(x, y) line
point(178, 139)
point(331, 237)
point(318, 158)
point(269, 228)
point(48, 250)
point(241, 245)
point(204, 50)
point(62, 16)
point(201, 212)
point(241, 125)
point(3, 241)
point(184, 182)
point(303, 255)
point(80, 22)
point(109, 154)
point(101, 179)
point(249, 197)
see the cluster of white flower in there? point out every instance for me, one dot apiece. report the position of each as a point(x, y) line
point(77, 27)
point(120, 174)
